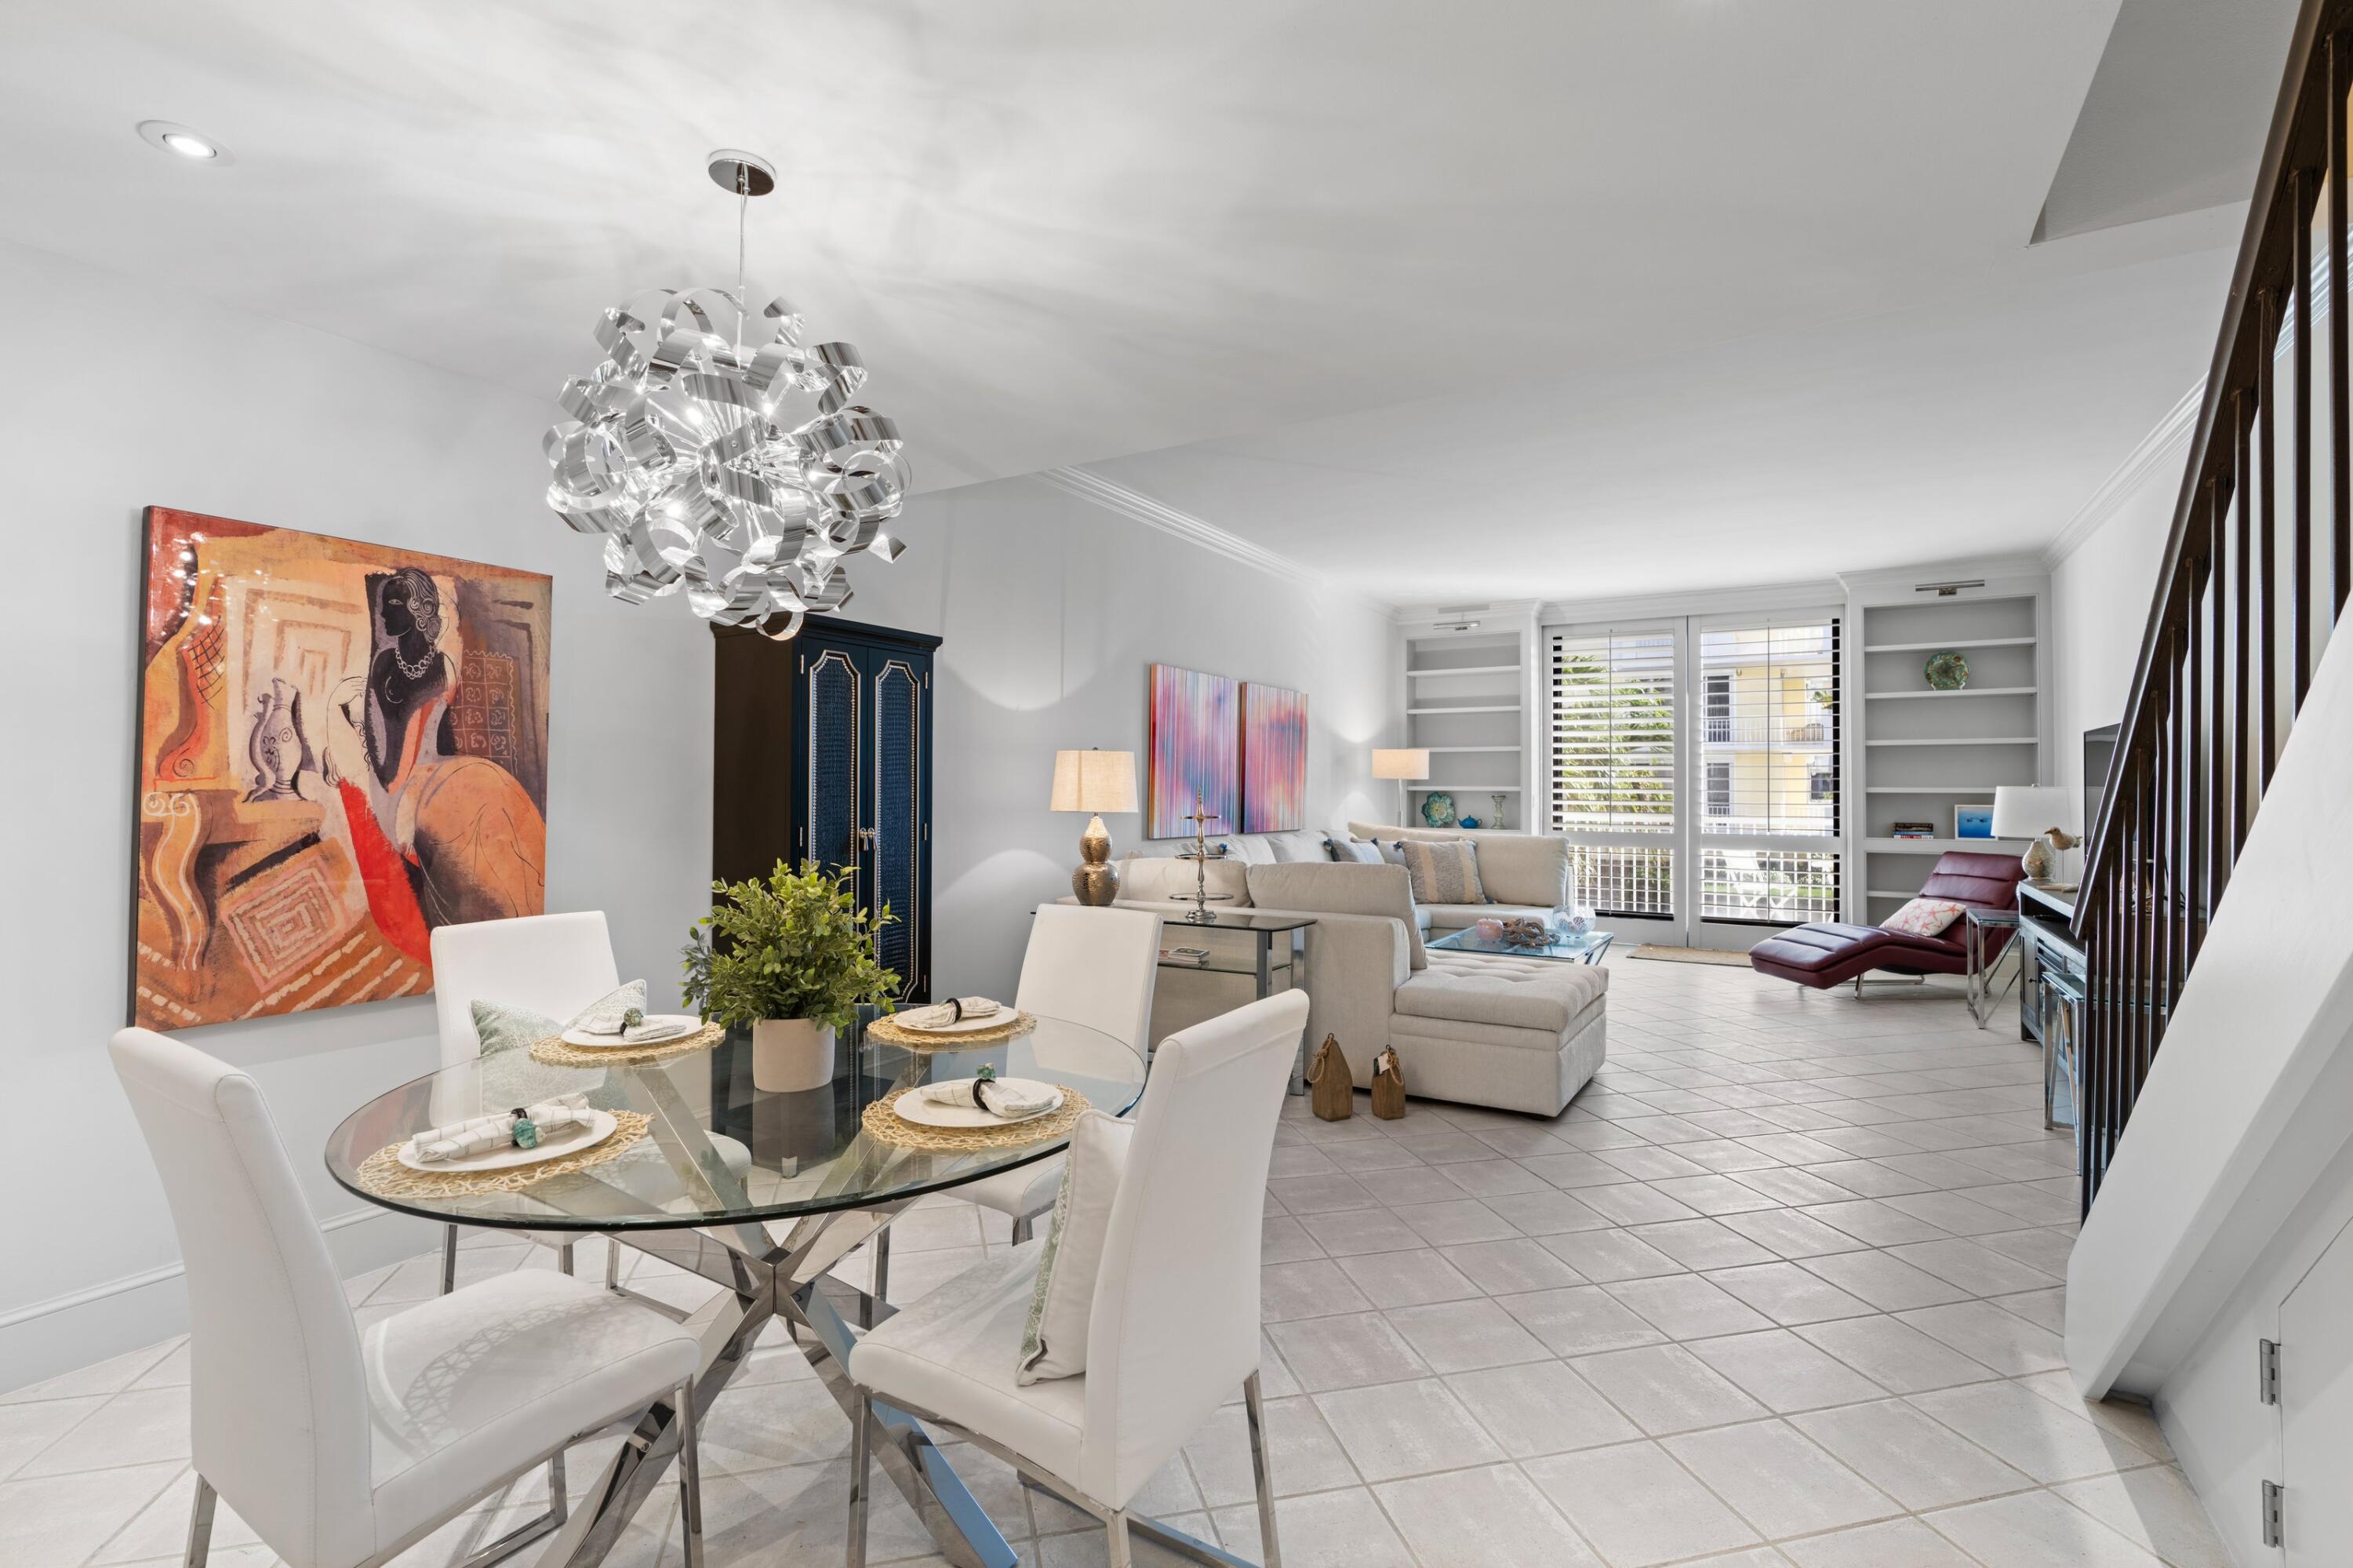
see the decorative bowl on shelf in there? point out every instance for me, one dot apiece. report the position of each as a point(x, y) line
point(1437, 810)
point(1946, 672)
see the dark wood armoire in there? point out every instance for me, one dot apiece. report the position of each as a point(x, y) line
point(822, 750)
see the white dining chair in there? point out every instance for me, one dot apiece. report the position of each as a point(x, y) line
point(551, 964)
point(1175, 1323)
point(341, 1447)
point(1091, 965)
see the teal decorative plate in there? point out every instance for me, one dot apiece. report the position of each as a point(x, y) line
point(1946, 672)
point(1437, 811)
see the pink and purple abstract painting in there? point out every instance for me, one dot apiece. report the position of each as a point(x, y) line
point(1196, 748)
point(1274, 760)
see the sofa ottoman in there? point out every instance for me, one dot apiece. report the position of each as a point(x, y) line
point(1491, 1029)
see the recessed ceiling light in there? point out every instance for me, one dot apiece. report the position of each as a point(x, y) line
point(181, 142)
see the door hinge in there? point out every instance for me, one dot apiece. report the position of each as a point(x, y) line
point(2267, 1371)
point(2273, 1507)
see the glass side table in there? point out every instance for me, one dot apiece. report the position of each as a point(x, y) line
point(1983, 992)
point(1274, 949)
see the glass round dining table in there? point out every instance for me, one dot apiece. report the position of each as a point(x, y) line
point(759, 1193)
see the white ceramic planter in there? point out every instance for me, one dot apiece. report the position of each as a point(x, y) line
point(789, 1055)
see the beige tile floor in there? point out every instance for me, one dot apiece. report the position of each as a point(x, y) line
point(1782, 1289)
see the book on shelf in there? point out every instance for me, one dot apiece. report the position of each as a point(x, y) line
point(1196, 957)
point(1913, 831)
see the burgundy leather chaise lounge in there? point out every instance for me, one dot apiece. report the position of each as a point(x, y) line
point(1828, 953)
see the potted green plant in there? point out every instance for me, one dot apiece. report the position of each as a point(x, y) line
point(791, 959)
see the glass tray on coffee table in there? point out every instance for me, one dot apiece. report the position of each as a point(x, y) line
point(1586, 947)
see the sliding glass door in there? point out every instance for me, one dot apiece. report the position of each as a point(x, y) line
point(1694, 771)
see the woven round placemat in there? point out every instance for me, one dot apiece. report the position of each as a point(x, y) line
point(383, 1174)
point(893, 1033)
point(885, 1125)
point(556, 1053)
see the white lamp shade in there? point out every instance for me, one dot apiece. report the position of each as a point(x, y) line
point(2029, 810)
point(1408, 762)
point(1094, 782)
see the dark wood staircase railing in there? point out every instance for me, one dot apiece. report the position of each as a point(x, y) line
point(2241, 614)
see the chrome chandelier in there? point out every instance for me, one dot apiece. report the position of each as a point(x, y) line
point(682, 450)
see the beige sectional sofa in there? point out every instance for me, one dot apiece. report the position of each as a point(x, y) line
point(1519, 1035)
point(1523, 874)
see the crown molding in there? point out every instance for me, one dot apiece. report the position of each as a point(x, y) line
point(2163, 445)
point(1137, 506)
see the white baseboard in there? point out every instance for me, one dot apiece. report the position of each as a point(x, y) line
point(42, 1338)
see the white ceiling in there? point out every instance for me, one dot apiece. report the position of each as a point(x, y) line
point(1477, 297)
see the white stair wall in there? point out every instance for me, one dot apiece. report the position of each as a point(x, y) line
point(2235, 1171)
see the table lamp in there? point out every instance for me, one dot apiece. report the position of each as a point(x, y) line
point(1402, 764)
point(2039, 812)
point(1095, 782)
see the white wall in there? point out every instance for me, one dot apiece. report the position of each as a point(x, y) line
point(2100, 595)
point(123, 396)
point(1052, 606)
point(126, 396)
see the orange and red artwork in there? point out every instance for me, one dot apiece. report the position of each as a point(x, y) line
point(341, 745)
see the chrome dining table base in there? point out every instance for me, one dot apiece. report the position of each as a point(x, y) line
point(767, 1277)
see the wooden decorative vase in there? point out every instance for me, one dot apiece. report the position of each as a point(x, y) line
point(1334, 1088)
point(1388, 1085)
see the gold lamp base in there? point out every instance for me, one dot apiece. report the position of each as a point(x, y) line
point(1095, 882)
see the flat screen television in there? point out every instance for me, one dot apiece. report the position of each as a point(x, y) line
point(2099, 748)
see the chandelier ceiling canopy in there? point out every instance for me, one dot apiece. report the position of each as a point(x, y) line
point(689, 450)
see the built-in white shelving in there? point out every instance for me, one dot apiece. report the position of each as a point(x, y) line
point(1467, 706)
point(1917, 751)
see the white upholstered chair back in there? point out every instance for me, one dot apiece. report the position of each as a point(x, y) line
point(1095, 966)
point(280, 1407)
point(1175, 1327)
point(555, 964)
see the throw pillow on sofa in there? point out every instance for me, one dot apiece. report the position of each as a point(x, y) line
point(1924, 917)
point(1444, 871)
point(1349, 850)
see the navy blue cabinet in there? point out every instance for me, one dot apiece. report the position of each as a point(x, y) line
point(822, 750)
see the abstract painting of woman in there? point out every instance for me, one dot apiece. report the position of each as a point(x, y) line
point(343, 746)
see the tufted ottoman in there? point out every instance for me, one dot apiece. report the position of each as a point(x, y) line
point(1516, 1034)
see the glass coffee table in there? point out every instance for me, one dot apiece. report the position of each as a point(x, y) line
point(1586, 947)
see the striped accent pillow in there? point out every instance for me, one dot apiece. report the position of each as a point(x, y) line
point(1444, 871)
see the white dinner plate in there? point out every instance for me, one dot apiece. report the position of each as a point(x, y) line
point(659, 1029)
point(913, 1106)
point(998, 1019)
point(571, 1140)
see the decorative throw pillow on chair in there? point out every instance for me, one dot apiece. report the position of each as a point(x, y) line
point(1054, 1340)
point(1923, 916)
point(1444, 871)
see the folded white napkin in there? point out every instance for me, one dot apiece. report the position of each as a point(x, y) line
point(616, 1013)
point(485, 1134)
point(955, 1010)
point(1000, 1099)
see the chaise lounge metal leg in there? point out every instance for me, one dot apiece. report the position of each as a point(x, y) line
point(200, 1526)
point(1261, 1471)
point(689, 1476)
point(449, 1259)
point(861, 1457)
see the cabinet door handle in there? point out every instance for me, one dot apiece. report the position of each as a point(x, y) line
point(864, 837)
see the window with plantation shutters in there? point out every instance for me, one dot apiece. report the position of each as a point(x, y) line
point(1613, 764)
point(1768, 757)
